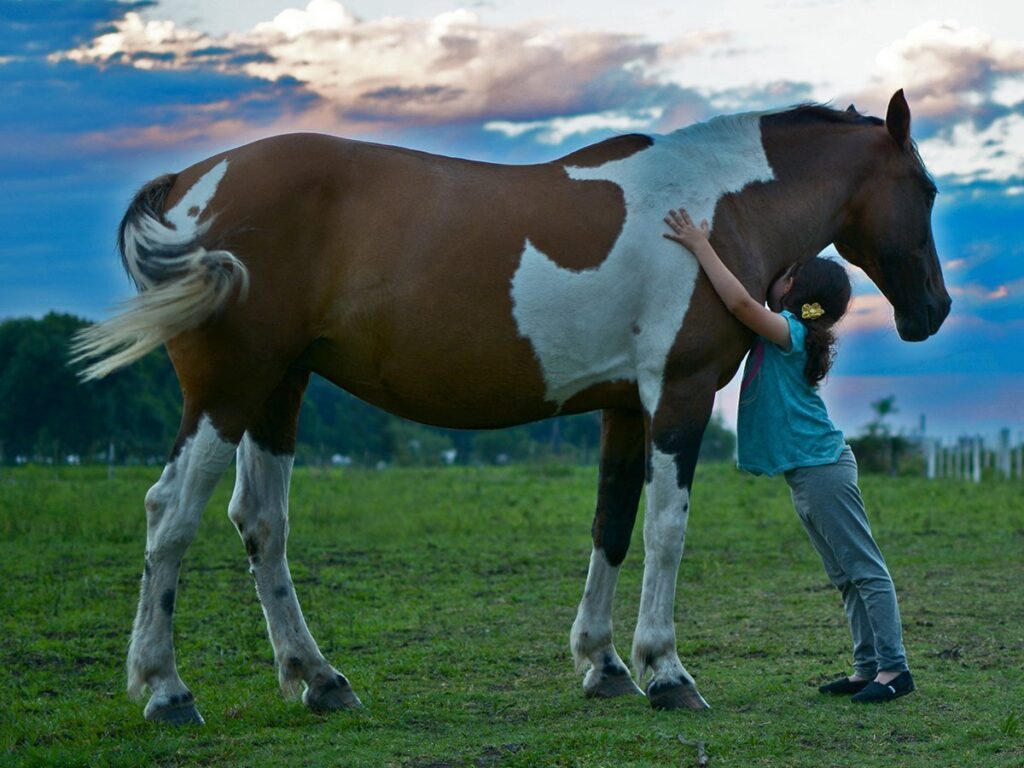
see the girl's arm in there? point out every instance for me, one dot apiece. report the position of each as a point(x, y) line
point(741, 304)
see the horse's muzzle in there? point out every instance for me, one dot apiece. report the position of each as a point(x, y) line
point(926, 322)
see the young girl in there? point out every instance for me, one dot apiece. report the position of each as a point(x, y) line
point(783, 427)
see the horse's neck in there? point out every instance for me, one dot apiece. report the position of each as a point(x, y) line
point(795, 217)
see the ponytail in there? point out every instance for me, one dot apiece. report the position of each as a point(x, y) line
point(820, 343)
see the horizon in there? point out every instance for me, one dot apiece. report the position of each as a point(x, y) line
point(107, 94)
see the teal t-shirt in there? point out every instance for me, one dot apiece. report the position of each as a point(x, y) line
point(782, 422)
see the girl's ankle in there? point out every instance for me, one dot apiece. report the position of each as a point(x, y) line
point(886, 676)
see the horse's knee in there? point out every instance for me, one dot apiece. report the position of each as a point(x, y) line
point(157, 499)
point(238, 509)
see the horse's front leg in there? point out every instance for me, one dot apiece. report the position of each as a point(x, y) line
point(618, 493)
point(676, 429)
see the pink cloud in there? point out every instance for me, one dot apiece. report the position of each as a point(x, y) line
point(451, 67)
point(945, 68)
point(867, 312)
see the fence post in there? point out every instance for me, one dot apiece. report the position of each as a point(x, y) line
point(931, 449)
point(1004, 453)
point(976, 446)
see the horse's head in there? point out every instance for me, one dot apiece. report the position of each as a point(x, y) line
point(888, 231)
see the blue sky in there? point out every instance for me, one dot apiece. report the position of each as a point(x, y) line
point(100, 95)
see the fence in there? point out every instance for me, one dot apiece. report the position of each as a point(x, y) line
point(970, 459)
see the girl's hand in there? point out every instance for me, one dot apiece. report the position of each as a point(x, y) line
point(684, 231)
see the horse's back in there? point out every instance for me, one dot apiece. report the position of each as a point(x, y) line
point(389, 270)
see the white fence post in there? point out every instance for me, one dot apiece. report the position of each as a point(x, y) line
point(976, 463)
point(1004, 453)
point(932, 448)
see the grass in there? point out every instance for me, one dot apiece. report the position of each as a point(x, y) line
point(446, 597)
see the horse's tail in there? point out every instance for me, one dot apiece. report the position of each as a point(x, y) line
point(180, 283)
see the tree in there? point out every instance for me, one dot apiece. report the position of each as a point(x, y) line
point(719, 442)
point(877, 449)
point(46, 411)
point(883, 408)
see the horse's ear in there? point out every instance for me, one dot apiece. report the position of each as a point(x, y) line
point(853, 109)
point(897, 119)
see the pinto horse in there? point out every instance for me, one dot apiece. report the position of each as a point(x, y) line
point(472, 295)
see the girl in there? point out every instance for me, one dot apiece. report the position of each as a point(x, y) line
point(783, 427)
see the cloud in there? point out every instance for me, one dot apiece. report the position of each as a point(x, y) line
point(966, 89)
point(763, 96)
point(949, 71)
point(966, 92)
point(869, 311)
point(963, 154)
point(51, 105)
point(951, 403)
point(449, 68)
point(558, 129)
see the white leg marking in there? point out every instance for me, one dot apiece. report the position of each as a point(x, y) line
point(259, 509)
point(173, 510)
point(591, 636)
point(665, 516)
point(628, 311)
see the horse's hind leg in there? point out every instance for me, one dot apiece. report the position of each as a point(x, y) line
point(618, 493)
point(259, 509)
point(173, 509)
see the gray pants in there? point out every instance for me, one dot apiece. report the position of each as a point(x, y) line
point(830, 506)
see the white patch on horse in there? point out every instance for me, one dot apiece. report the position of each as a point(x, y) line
point(185, 214)
point(665, 516)
point(618, 321)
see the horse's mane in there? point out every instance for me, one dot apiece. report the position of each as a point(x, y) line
point(824, 112)
point(723, 125)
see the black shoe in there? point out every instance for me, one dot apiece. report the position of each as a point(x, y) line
point(874, 692)
point(843, 685)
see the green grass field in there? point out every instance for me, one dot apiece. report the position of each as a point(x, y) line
point(446, 597)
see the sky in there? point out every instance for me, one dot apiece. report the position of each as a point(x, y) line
point(101, 95)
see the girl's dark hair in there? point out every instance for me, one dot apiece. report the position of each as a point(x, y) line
point(823, 282)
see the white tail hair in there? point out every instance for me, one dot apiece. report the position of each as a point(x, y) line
point(181, 285)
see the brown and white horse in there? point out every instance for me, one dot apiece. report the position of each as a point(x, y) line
point(467, 294)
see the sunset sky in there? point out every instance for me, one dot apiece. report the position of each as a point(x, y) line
point(99, 96)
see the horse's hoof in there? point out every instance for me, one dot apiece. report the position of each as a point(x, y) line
point(179, 709)
point(676, 694)
point(331, 695)
point(609, 682)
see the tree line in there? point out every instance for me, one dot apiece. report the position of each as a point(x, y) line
point(48, 415)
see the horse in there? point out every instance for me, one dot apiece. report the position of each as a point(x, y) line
point(467, 294)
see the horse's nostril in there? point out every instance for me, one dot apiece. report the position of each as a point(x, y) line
point(937, 313)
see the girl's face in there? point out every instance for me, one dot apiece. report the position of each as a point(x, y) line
point(778, 290)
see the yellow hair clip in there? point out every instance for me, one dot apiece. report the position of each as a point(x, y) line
point(811, 311)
